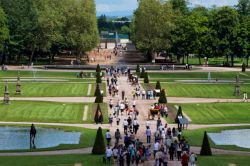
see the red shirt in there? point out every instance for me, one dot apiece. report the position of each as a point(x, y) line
point(184, 159)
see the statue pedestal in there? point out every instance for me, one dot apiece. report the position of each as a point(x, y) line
point(6, 98)
point(237, 90)
point(18, 89)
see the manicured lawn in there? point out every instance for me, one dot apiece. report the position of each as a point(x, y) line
point(30, 111)
point(42, 89)
point(199, 75)
point(195, 137)
point(41, 74)
point(200, 90)
point(223, 160)
point(218, 113)
point(59, 160)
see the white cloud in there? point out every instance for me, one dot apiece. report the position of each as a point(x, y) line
point(209, 3)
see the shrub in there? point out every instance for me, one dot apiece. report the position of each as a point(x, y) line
point(137, 68)
point(205, 148)
point(162, 98)
point(99, 145)
point(243, 67)
point(98, 117)
point(158, 85)
point(97, 90)
point(98, 68)
point(179, 112)
point(142, 74)
point(146, 80)
point(98, 77)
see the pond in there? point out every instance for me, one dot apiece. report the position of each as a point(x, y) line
point(18, 138)
point(238, 138)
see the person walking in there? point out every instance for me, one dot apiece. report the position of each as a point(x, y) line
point(109, 154)
point(184, 159)
point(125, 126)
point(117, 136)
point(148, 134)
point(108, 137)
point(193, 159)
point(245, 98)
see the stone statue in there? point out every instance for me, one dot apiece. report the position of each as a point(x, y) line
point(6, 98)
point(32, 136)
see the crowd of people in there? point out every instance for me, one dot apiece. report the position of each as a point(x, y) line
point(162, 143)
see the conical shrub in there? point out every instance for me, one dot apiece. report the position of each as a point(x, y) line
point(98, 115)
point(162, 98)
point(98, 78)
point(205, 148)
point(98, 68)
point(137, 68)
point(243, 67)
point(179, 112)
point(142, 75)
point(99, 97)
point(99, 145)
point(158, 85)
point(97, 90)
point(146, 80)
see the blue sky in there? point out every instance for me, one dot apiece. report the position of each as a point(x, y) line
point(126, 7)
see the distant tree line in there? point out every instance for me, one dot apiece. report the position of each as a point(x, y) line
point(32, 28)
point(120, 25)
point(172, 26)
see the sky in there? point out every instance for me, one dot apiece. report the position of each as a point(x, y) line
point(126, 7)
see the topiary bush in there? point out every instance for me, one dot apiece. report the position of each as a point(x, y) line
point(146, 80)
point(98, 68)
point(142, 74)
point(162, 98)
point(205, 148)
point(243, 67)
point(179, 112)
point(137, 68)
point(158, 85)
point(98, 78)
point(97, 89)
point(98, 115)
point(99, 145)
point(99, 98)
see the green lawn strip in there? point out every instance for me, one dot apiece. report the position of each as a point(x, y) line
point(55, 160)
point(223, 160)
point(195, 137)
point(216, 113)
point(38, 74)
point(30, 111)
point(200, 90)
point(42, 89)
point(201, 75)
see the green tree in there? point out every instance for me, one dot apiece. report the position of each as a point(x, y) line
point(99, 97)
point(179, 113)
point(99, 145)
point(146, 80)
point(151, 26)
point(98, 78)
point(162, 98)
point(158, 85)
point(98, 115)
point(97, 89)
point(137, 68)
point(81, 31)
point(98, 68)
point(180, 6)
point(205, 147)
point(4, 34)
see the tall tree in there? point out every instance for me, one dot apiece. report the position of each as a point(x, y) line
point(81, 26)
point(4, 34)
point(151, 26)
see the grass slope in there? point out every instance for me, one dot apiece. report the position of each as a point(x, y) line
point(223, 160)
point(30, 111)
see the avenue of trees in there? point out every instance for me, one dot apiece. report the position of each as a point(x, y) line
point(171, 26)
point(32, 28)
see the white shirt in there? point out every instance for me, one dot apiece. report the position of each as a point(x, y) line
point(135, 122)
point(109, 152)
point(148, 123)
point(125, 123)
point(108, 135)
point(134, 102)
point(156, 146)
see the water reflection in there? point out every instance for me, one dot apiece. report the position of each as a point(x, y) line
point(17, 138)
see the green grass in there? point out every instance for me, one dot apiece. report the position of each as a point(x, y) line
point(30, 111)
point(218, 113)
point(200, 90)
point(59, 160)
point(224, 160)
point(38, 74)
point(199, 75)
point(42, 89)
point(195, 137)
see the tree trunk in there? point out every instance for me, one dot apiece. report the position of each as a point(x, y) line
point(31, 56)
point(247, 60)
point(232, 60)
